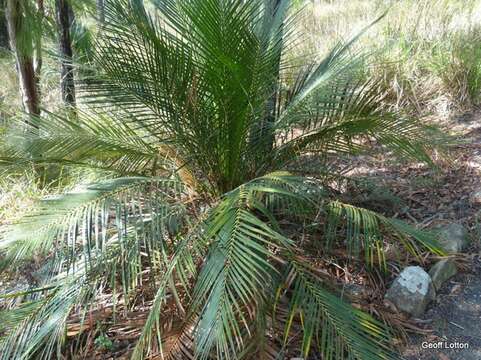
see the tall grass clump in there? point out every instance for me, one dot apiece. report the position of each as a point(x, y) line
point(9, 92)
point(457, 63)
point(427, 51)
point(18, 193)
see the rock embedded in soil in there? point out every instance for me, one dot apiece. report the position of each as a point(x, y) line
point(355, 291)
point(411, 291)
point(453, 238)
point(476, 197)
point(442, 271)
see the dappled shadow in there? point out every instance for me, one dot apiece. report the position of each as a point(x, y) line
point(431, 197)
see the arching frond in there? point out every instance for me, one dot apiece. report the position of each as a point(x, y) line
point(83, 216)
point(103, 233)
point(101, 141)
point(364, 228)
point(342, 116)
point(334, 328)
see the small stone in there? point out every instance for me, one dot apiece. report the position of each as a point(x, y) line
point(411, 291)
point(453, 238)
point(354, 291)
point(441, 271)
point(476, 197)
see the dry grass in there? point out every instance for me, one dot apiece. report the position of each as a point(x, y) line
point(426, 52)
point(18, 194)
point(9, 94)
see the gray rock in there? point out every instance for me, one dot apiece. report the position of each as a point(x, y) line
point(411, 291)
point(476, 197)
point(442, 271)
point(453, 238)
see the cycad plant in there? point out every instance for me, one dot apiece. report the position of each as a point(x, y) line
point(205, 144)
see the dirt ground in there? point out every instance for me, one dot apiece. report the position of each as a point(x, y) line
point(435, 197)
point(455, 318)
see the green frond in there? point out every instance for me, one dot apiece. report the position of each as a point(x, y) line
point(85, 275)
point(10, 318)
point(40, 331)
point(233, 280)
point(178, 266)
point(102, 141)
point(316, 78)
point(234, 277)
point(332, 327)
point(42, 322)
point(342, 116)
point(365, 232)
point(83, 217)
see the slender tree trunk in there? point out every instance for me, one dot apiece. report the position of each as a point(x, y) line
point(64, 21)
point(38, 62)
point(3, 26)
point(23, 56)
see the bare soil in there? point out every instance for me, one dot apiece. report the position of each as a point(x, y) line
point(433, 197)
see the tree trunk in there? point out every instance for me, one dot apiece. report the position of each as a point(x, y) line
point(23, 55)
point(37, 41)
point(64, 21)
point(3, 26)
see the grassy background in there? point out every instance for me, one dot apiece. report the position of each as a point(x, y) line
point(426, 52)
